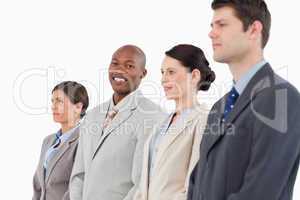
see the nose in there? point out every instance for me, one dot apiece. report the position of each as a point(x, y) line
point(212, 33)
point(53, 106)
point(163, 78)
point(118, 70)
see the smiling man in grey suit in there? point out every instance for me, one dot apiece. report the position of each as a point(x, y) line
point(109, 158)
point(251, 146)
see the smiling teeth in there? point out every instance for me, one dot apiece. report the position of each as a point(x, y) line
point(119, 79)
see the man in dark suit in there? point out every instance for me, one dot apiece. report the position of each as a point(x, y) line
point(250, 149)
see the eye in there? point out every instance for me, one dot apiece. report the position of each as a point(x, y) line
point(59, 101)
point(129, 66)
point(113, 63)
point(171, 72)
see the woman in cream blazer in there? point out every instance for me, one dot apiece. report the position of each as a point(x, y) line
point(172, 151)
point(51, 179)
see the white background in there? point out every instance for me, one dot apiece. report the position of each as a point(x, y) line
point(45, 42)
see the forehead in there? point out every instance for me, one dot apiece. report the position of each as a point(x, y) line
point(126, 55)
point(226, 13)
point(58, 94)
point(171, 63)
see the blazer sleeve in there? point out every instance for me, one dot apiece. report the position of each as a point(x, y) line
point(195, 155)
point(275, 154)
point(37, 188)
point(142, 136)
point(137, 164)
point(78, 171)
point(66, 196)
point(137, 195)
point(198, 133)
point(192, 179)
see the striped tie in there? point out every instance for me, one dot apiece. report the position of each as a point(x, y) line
point(110, 115)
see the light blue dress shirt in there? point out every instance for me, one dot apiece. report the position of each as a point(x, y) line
point(60, 138)
point(241, 84)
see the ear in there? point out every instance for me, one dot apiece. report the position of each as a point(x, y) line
point(79, 107)
point(144, 73)
point(255, 30)
point(196, 76)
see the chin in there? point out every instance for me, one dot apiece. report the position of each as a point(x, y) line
point(57, 119)
point(171, 96)
point(219, 59)
point(122, 92)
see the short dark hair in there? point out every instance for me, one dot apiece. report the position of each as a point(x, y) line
point(192, 57)
point(75, 92)
point(249, 11)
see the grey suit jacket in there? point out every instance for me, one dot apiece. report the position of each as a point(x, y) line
point(54, 184)
point(108, 164)
point(255, 154)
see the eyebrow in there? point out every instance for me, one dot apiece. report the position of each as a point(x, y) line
point(56, 98)
point(168, 68)
point(126, 61)
point(217, 22)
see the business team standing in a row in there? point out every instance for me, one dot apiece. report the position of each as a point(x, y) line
point(248, 147)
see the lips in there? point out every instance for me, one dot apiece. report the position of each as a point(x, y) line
point(215, 45)
point(119, 78)
point(167, 88)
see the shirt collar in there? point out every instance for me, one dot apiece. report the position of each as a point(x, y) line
point(241, 84)
point(66, 135)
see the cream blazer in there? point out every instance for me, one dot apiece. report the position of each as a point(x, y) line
point(177, 155)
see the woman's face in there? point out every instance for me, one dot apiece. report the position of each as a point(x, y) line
point(63, 110)
point(176, 80)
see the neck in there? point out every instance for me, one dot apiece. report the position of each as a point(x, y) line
point(68, 125)
point(118, 97)
point(185, 103)
point(240, 66)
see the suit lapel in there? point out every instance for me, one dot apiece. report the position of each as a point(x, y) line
point(122, 116)
point(41, 164)
point(98, 122)
point(173, 132)
point(144, 185)
point(213, 127)
point(258, 82)
point(62, 149)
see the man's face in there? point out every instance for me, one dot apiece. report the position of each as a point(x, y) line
point(230, 42)
point(126, 71)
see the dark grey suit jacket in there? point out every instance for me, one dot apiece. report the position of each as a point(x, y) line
point(254, 155)
point(54, 184)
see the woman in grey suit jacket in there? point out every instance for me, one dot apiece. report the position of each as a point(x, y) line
point(173, 150)
point(51, 179)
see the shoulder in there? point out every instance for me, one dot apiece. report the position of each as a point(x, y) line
point(278, 90)
point(48, 139)
point(148, 107)
point(98, 110)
